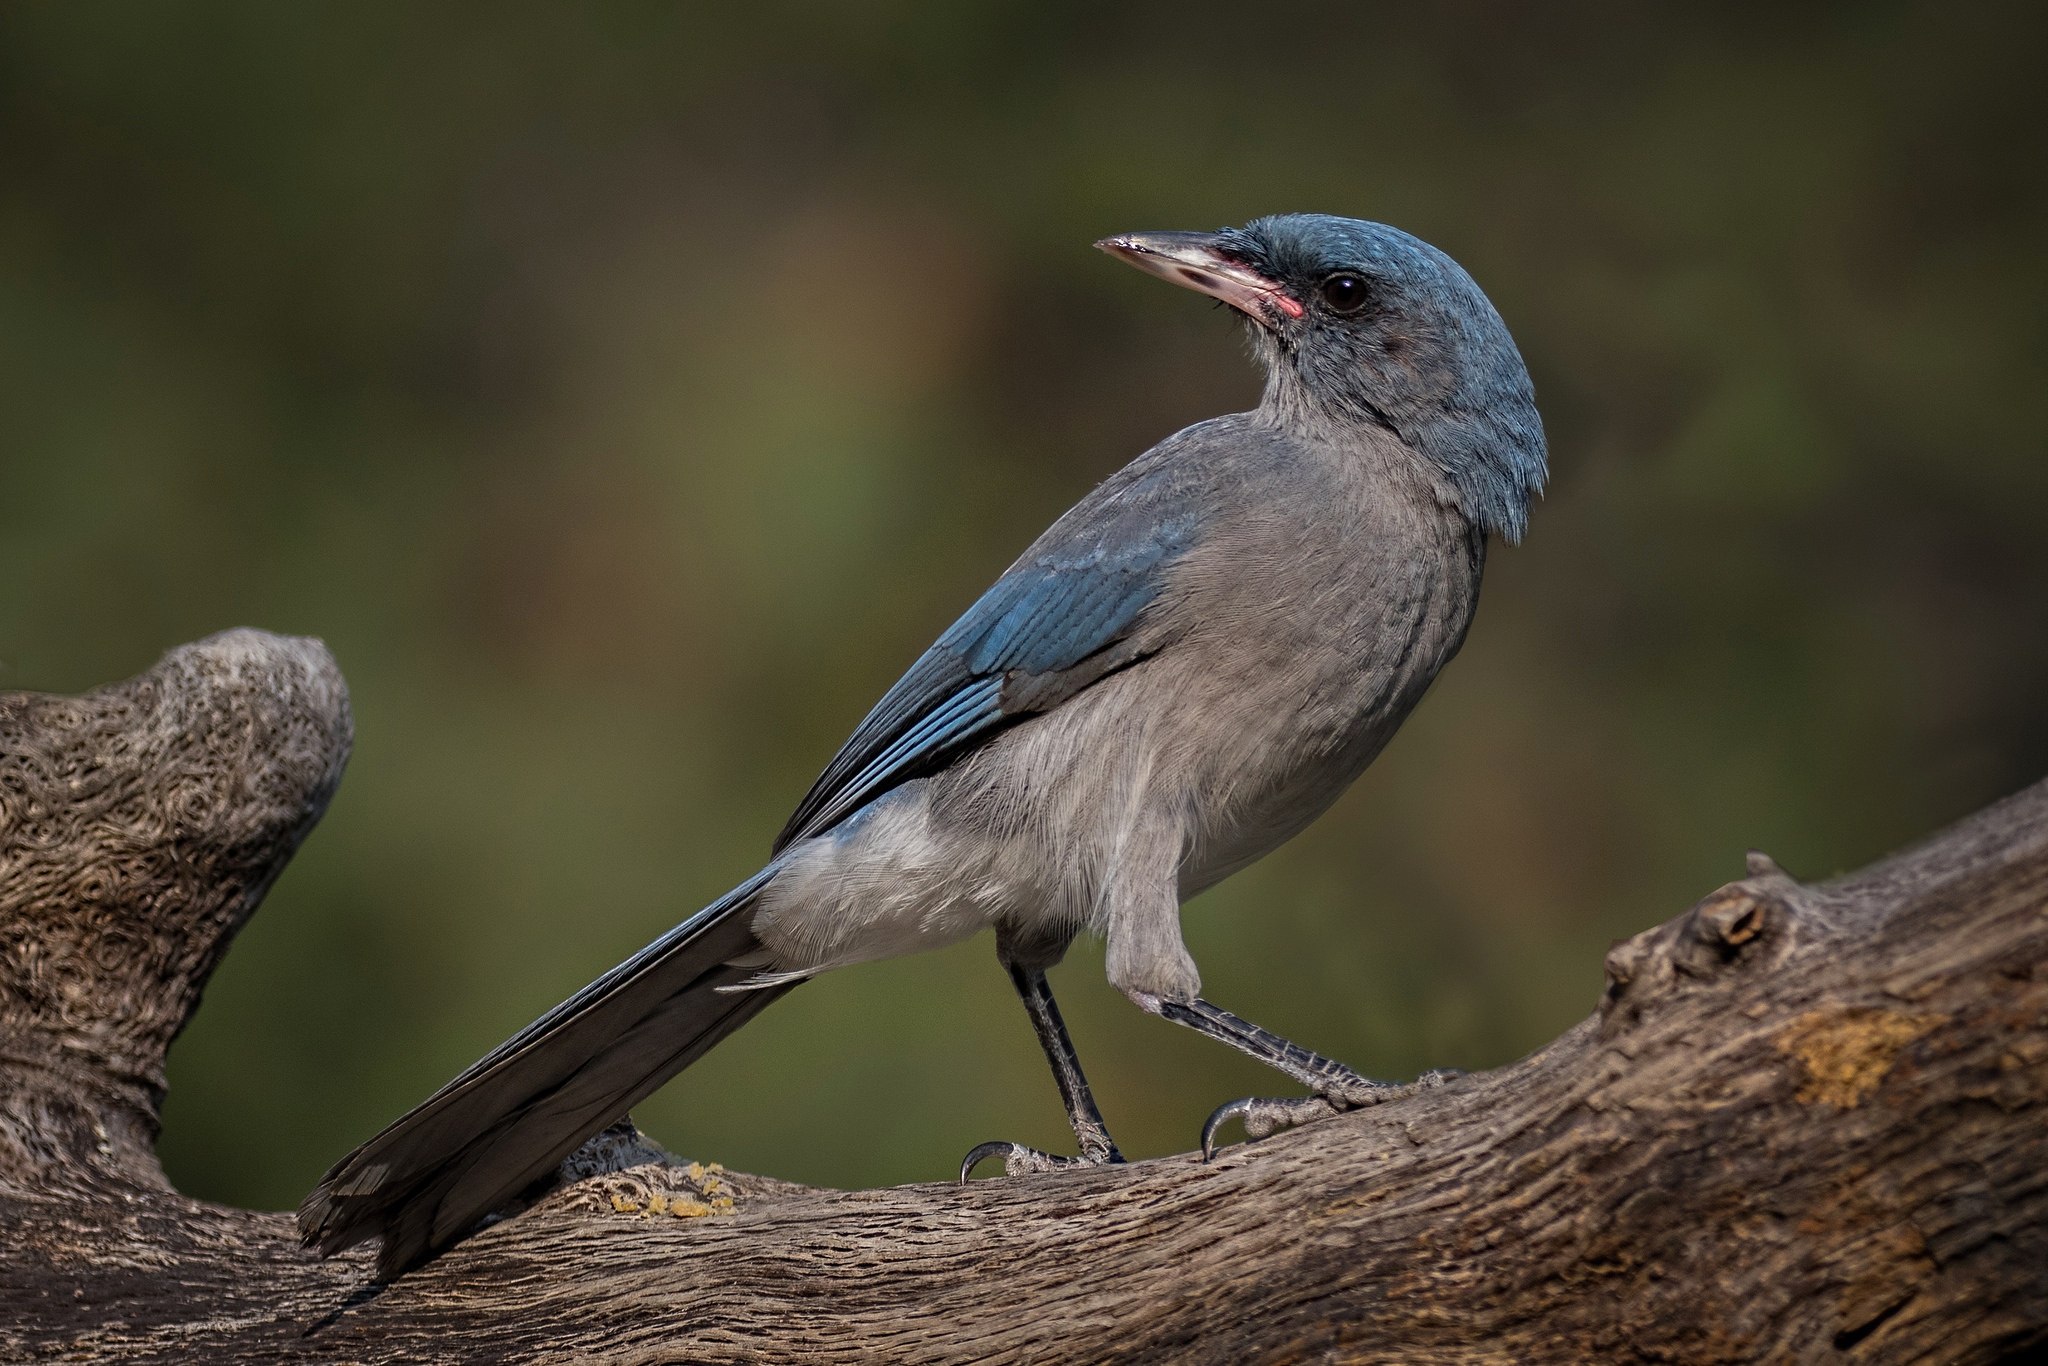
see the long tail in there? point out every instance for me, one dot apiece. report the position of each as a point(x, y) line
point(482, 1139)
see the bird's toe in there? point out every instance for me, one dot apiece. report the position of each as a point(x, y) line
point(1266, 1115)
point(1018, 1160)
point(1263, 1115)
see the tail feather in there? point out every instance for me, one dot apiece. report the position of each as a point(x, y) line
point(481, 1140)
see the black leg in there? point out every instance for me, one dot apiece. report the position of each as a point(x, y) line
point(1337, 1088)
point(1097, 1148)
point(1320, 1074)
point(1089, 1130)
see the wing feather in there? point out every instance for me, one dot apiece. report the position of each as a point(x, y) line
point(1003, 660)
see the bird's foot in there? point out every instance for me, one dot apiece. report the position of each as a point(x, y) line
point(1019, 1160)
point(1263, 1115)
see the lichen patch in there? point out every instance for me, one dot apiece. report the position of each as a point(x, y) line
point(1845, 1054)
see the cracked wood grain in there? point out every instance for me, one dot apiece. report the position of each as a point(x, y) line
point(1804, 1123)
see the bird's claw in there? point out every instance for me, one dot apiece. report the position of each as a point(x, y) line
point(1266, 1115)
point(1263, 1115)
point(1019, 1160)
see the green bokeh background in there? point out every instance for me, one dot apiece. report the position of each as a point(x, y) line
point(626, 393)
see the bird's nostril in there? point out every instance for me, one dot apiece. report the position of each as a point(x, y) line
point(1198, 279)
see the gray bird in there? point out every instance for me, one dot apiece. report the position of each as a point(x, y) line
point(1178, 676)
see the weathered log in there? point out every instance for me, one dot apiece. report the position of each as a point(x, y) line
point(1806, 1123)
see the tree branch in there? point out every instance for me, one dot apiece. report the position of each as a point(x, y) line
point(1806, 1122)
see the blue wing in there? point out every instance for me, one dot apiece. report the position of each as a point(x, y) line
point(1058, 621)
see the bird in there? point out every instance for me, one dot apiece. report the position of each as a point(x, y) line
point(1178, 676)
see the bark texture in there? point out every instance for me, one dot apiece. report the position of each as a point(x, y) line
point(1805, 1123)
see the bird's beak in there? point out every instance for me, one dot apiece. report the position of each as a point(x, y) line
point(1197, 261)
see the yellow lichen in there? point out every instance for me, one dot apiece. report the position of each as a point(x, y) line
point(1844, 1054)
point(718, 1198)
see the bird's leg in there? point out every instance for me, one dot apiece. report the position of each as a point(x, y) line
point(1097, 1148)
point(1337, 1088)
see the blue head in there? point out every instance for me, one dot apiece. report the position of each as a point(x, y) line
point(1361, 324)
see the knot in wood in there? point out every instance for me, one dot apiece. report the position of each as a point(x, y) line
point(1726, 921)
point(1723, 930)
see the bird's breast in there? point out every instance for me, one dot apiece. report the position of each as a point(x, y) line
point(1310, 672)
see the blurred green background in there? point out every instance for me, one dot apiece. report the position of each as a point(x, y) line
point(626, 393)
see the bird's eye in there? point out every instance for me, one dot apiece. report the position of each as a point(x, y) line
point(1344, 293)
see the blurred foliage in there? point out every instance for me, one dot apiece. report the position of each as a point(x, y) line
point(627, 392)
